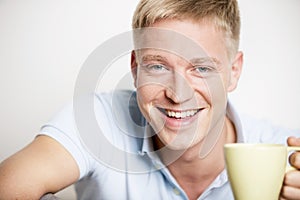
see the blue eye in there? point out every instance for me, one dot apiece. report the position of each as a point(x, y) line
point(157, 67)
point(202, 69)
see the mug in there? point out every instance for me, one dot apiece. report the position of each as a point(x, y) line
point(256, 171)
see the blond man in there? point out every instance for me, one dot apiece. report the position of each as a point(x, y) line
point(166, 138)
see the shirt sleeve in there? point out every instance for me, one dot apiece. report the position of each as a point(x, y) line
point(63, 129)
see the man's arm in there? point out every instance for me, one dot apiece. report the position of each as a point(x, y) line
point(41, 167)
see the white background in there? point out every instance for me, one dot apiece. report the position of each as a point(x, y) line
point(44, 43)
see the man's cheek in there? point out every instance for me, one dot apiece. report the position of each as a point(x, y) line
point(216, 90)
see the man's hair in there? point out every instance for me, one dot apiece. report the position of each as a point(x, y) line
point(223, 13)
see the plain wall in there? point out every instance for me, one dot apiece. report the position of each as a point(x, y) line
point(43, 45)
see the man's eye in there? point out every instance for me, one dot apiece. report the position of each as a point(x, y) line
point(202, 69)
point(157, 67)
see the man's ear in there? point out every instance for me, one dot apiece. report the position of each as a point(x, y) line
point(134, 67)
point(236, 70)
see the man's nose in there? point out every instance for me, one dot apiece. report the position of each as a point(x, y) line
point(179, 90)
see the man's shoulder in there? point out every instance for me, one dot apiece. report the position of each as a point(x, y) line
point(260, 130)
point(121, 105)
point(119, 116)
point(123, 94)
point(117, 98)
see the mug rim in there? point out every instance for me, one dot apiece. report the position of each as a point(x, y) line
point(249, 145)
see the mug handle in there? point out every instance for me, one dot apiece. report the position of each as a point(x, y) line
point(289, 149)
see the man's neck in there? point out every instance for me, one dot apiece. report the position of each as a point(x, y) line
point(194, 173)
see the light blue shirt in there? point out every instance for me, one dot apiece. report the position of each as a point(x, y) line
point(125, 128)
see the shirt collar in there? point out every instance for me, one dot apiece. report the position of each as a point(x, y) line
point(147, 145)
point(233, 115)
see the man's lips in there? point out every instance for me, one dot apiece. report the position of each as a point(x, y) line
point(179, 114)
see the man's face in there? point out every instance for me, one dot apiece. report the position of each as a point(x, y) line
point(182, 90)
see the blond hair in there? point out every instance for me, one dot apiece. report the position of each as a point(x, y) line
point(223, 13)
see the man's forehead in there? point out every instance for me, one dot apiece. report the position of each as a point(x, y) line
point(167, 40)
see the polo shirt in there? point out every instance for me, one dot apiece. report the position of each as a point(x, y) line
point(119, 162)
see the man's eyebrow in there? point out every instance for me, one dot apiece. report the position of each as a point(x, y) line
point(153, 58)
point(202, 60)
point(194, 61)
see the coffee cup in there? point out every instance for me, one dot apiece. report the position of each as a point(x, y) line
point(256, 171)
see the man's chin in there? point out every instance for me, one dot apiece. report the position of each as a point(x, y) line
point(178, 145)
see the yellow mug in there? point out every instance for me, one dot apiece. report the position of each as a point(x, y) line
point(256, 171)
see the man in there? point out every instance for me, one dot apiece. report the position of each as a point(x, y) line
point(170, 132)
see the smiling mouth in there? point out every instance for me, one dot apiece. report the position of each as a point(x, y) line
point(179, 114)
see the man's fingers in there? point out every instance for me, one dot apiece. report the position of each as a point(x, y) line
point(291, 193)
point(295, 160)
point(293, 141)
point(292, 179)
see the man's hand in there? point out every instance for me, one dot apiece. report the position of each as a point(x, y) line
point(291, 185)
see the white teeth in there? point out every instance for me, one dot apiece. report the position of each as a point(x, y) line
point(181, 114)
point(173, 114)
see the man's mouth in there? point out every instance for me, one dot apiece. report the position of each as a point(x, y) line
point(179, 114)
